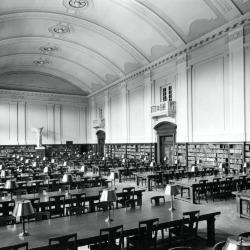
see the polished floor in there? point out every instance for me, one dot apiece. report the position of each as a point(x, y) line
point(227, 223)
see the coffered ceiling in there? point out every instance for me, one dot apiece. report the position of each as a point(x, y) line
point(80, 46)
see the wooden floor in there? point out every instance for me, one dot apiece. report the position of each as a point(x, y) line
point(227, 224)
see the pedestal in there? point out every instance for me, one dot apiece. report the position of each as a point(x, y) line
point(40, 151)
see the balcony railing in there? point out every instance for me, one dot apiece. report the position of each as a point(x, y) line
point(164, 109)
point(99, 123)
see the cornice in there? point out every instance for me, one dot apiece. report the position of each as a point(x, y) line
point(208, 38)
point(41, 96)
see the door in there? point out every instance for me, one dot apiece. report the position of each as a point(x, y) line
point(101, 142)
point(167, 149)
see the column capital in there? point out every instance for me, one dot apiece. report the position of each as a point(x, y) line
point(235, 34)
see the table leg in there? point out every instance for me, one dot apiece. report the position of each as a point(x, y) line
point(139, 199)
point(137, 181)
point(149, 184)
point(192, 194)
point(91, 206)
point(211, 231)
point(119, 176)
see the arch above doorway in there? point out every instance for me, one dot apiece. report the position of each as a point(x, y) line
point(166, 134)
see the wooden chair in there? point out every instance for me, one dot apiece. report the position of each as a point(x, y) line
point(108, 239)
point(216, 188)
point(157, 199)
point(77, 205)
point(187, 230)
point(21, 246)
point(202, 190)
point(57, 205)
point(146, 237)
point(219, 245)
point(65, 242)
point(127, 197)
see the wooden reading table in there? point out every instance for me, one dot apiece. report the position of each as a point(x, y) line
point(87, 226)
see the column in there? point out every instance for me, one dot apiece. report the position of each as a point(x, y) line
point(50, 136)
point(107, 116)
point(92, 116)
point(182, 103)
point(13, 128)
point(147, 107)
point(57, 117)
point(125, 115)
point(236, 103)
point(83, 124)
point(21, 123)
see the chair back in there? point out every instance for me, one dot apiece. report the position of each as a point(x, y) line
point(191, 220)
point(110, 235)
point(6, 207)
point(148, 227)
point(65, 242)
point(21, 246)
point(35, 203)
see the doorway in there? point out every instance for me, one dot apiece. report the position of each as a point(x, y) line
point(100, 142)
point(166, 133)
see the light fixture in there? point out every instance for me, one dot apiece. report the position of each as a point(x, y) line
point(23, 209)
point(171, 190)
point(109, 196)
point(78, 3)
point(41, 61)
point(11, 186)
point(48, 48)
point(67, 178)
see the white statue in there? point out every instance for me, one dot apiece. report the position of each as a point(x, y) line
point(39, 134)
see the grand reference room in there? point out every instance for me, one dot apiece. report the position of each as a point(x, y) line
point(124, 124)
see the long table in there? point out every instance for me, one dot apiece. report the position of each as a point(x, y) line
point(88, 225)
point(92, 195)
point(193, 183)
point(241, 198)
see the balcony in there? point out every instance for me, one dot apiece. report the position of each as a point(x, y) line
point(99, 123)
point(167, 109)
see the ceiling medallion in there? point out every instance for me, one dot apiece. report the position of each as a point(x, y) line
point(78, 3)
point(60, 29)
point(41, 61)
point(47, 49)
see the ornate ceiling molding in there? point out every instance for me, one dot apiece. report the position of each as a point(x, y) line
point(123, 43)
point(72, 45)
point(52, 71)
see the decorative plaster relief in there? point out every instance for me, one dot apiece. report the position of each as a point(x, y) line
point(48, 49)
point(60, 29)
point(41, 61)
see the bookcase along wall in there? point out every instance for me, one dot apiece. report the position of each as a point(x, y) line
point(209, 154)
point(131, 150)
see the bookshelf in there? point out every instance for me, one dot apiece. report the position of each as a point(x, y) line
point(131, 150)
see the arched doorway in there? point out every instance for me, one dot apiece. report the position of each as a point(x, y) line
point(100, 142)
point(166, 133)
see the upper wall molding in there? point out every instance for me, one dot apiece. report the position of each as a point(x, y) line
point(23, 96)
point(208, 38)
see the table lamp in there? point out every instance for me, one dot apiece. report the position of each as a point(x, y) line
point(46, 170)
point(23, 209)
point(67, 178)
point(10, 185)
point(109, 196)
point(3, 173)
point(152, 164)
point(112, 176)
point(171, 190)
point(83, 169)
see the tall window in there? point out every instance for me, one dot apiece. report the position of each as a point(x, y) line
point(167, 93)
point(170, 93)
point(100, 113)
